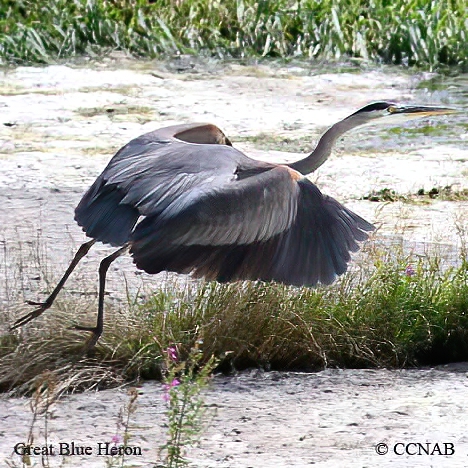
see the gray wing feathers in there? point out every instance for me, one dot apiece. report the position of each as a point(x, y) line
point(164, 178)
point(146, 176)
point(315, 248)
point(103, 217)
point(239, 213)
point(218, 214)
point(245, 211)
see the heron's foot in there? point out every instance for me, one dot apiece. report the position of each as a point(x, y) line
point(43, 306)
point(91, 342)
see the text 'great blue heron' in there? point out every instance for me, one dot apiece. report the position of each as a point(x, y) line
point(183, 199)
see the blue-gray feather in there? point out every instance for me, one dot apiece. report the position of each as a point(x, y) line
point(217, 214)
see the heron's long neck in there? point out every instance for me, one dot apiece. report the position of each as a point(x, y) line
point(323, 149)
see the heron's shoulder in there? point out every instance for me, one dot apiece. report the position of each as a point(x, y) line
point(193, 133)
point(200, 143)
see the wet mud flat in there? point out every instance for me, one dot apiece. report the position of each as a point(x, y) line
point(60, 125)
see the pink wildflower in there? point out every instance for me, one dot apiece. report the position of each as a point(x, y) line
point(116, 439)
point(167, 388)
point(409, 270)
point(174, 383)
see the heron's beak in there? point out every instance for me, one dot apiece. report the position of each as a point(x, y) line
point(422, 111)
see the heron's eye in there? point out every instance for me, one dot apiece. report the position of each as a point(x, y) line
point(391, 109)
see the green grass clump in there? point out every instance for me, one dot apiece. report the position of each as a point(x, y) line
point(414, 32)
point(421, 196)
point(388, 313)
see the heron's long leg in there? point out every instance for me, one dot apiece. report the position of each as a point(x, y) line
point(82, 251)
point(103, 267)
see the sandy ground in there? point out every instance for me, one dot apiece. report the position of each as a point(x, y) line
point(59, 127)
point(334, 418)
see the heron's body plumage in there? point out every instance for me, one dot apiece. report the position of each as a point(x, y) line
point(183, 199)
point(219, 214)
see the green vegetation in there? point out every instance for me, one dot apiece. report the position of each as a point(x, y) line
point(394, 311)
point(413, 32)
point(421, 196)
point(184, 382)
point(426, 130)
point(385, 195)
point(123, 112)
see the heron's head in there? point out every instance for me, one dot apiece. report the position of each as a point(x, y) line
point(390, 113)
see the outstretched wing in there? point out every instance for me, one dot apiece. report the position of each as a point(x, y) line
point(317, 246)
point(215, 212)
point(314, 248)
point(163, 178)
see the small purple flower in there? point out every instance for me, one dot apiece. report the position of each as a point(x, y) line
point(174, 383)
point(167, 388)
point(116, 439)
point(409, 270)
point(172, 353)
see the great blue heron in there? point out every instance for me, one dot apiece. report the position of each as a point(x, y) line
point(183, 199)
